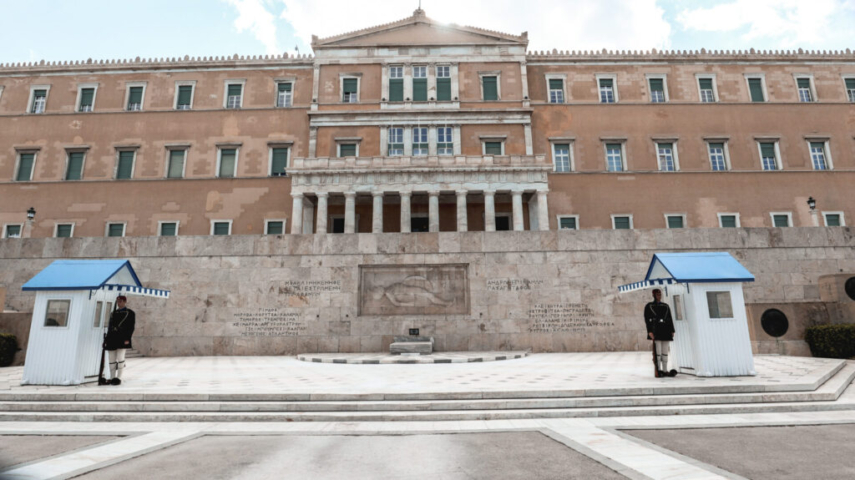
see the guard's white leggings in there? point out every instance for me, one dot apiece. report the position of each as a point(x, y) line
point(663, 348)
point(117, 362)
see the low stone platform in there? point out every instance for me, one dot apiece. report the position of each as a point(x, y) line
point(387, 359)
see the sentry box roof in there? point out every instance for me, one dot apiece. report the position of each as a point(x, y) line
point(114, 275)
point(706, 267)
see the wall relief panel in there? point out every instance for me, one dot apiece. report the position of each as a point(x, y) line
point(414, 289)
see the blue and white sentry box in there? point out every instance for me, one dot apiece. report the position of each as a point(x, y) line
point(704, 291)
point(74, 299)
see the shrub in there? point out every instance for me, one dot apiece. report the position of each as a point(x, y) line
point(831, 341)
point(8, 347)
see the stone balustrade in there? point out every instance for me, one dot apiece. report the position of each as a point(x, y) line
point(459, 162)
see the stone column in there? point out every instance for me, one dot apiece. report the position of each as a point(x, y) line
point(433, 211)
point(296, 213)
point(377, 214)
point(542, 211)
point(519, 224)
point(350, 212)
point(321, 226)
point(406, 222)
point(462, 219)
point(489, 211)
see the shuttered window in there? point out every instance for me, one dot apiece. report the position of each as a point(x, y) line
point(185, 97)
point(490, 87)
point(755, 86)
point(135, 95)
point(443, 83)
point(666, 157)
point(284, 96)
point(768, 156)
point(349, 90)
point(781, 221)
point(728, 221)
point(707, 92)
point(675, 221)
point(556, 90)
point(420, 84)
point(718, 162)
point(168, 229)
point(396, 84)
point(222, 228)
point(657, 90)
point(347, 150)
point(87, 99)
point(567, 223)
point(279, 162)
point(176, 164)
point(39, 101)
point(832, 220)
point(116, 230)
point(444, 141)
point(64, 230)
point(14, 231)
point(234, 96)
point(805, 94)
point(492, 148)
point(622, 223)
point(75, 166)
point(607, 90)
point(275, 228)
point(228, 159)
point(850, 89)
point(396, 142)
point(25, 167)
point(125, 168)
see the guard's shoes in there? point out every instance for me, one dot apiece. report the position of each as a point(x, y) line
point(662, 374)
point(103, 381)
point(672, 373)
point(115, 381)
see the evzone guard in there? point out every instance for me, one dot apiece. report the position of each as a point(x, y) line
point(660, 329)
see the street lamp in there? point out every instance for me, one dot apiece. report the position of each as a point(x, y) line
point(812, 204)
point(31, 215)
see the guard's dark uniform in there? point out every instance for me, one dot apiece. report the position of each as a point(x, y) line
point(120, 329)
point(657, 318)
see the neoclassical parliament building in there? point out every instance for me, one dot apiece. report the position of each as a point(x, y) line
point(419, 126)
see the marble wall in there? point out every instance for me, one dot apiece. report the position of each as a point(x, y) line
point(553, 291)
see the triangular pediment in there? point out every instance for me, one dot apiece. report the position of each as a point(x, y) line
point(418, 30)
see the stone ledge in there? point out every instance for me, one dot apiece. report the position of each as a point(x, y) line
point(386, 359)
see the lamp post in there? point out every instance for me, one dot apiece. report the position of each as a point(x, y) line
point(812, 204)
point(31, 216)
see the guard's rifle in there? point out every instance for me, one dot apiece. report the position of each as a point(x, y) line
point(655, 360)
point(101, 379)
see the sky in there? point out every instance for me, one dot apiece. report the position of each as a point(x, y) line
point(34, 30)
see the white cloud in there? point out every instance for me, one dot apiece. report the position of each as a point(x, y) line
point(561, 24)
point(254, 15)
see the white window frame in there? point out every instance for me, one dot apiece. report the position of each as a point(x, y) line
point(572, 161)
point(657, 76)
point(622, 143)
point(675, 157)
point(184, 83)
point(436, 70)
point(762, 77)
point(778, 162)
point(729, 214)
point(560, 217)
point(128, 86)
point(789, 218)
point(824, 219)
point(388, 141)
point(725, 153)
point(107, 228)
point(358, 78)
point(57, 225)
point(80, 87)
point(338, 148)
point(290, 96)
point(809, 76)
point(556, 76)
point(119, 156)
point(422, 66)
point(486, 140)
point(498, 75)
point(681, 215)
point(844, 77)
point(32, 98)
point(234, 81)
point(220, 149)
point(270, 149)
point(221, 221)
point(6, 227)
point(607, 76)
point(707, 76)
point(3, 88)
point(68, 153)
point(268, 220)
point(160, 225)
point(829, 164)
point(631, 221)
point(169, 150)
point(437, 142)
point(413, 140)
point(18, 165)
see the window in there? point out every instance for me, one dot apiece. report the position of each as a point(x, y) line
point(728, 220)
point(74, 165)
point(667, 157)
point(443, 83)
point(675, 221)
point(396, 141)
point(556, 90)
point(336, 224)
point(503, 222)
point(227, 163)
point(234, 95)
point(175, 167)
point(14, 231)
point(622, 222)
point(707, 90)
point(184, 95)
point(86, 99)
point(284, 94)
point(818, 156)
point(274, 227)
point(658, 93)
point(349, 90)
point(490, 87)
point(769, 155)
point(396, 84)
point(850, 88)
point(568, 222)
point(56, 313)
point(347, 150)
point(221, 227)
point(38, 99)
point(494, 148)
point(444, 141)
point(99, 312)
point(718, 156)
point(832, 219)
point(115, 230)
point(756, 88)
point(135, 95)
point(719, 305)
point(26, 162)
point(606, 84)
point(614, 157)
point(125, 164)
point(64, 230)
point(782, 220)
point(804, 84)
point(168, 229)
point(420, 141)
point(420, 83)
point(278, 162)
point(561, 157)
point(678, 307)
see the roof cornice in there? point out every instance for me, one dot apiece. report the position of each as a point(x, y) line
point(691, 55)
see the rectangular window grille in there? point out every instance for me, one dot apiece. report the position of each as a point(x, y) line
point(39, 101)
point(657, 90)
point(728, 221)
point(675, 221)
point(25, 167)
point(492, 148)
point(707, 92)
point(567, 223)
point(420, 141)
point(804, 89)
point(443, 83)
point(817, 156)
point(347, 150)
point(135, 95)
point(275, 228)
point(614, 157)
point(64, 230)
point(717, 160)
point(75, 166)
point(755, 87)
point(168, 229)
point(831, 220)
point(87, 99)
point(622, 223)
point(125, 169)
point(279, 162)
point(490, 87)
point(850, 89)
point(176, 164)
point(221, 228)
point(396, 84)
point(116, 230)
point(607, 90)
point(556, 90)
point(769, 157)
point(562, 157)
point(283, 98)
point(350, 88)
point(228, 158)
point(396, 141)
point(235, 92)
point(781, 221)
point(720, 305)
point(666, 157)
point(444, 141)
point(14, 231)
point(185, 96)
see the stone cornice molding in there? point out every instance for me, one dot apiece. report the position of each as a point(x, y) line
point(703, 55)
point(426, 163)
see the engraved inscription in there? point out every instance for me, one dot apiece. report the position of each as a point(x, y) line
point(413, 290)
point(269, 322)
point(563, 317)
point(513, 284)
point(309, 288)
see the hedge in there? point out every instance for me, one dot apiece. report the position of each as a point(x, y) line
point(8, 347)
point(831, 341)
